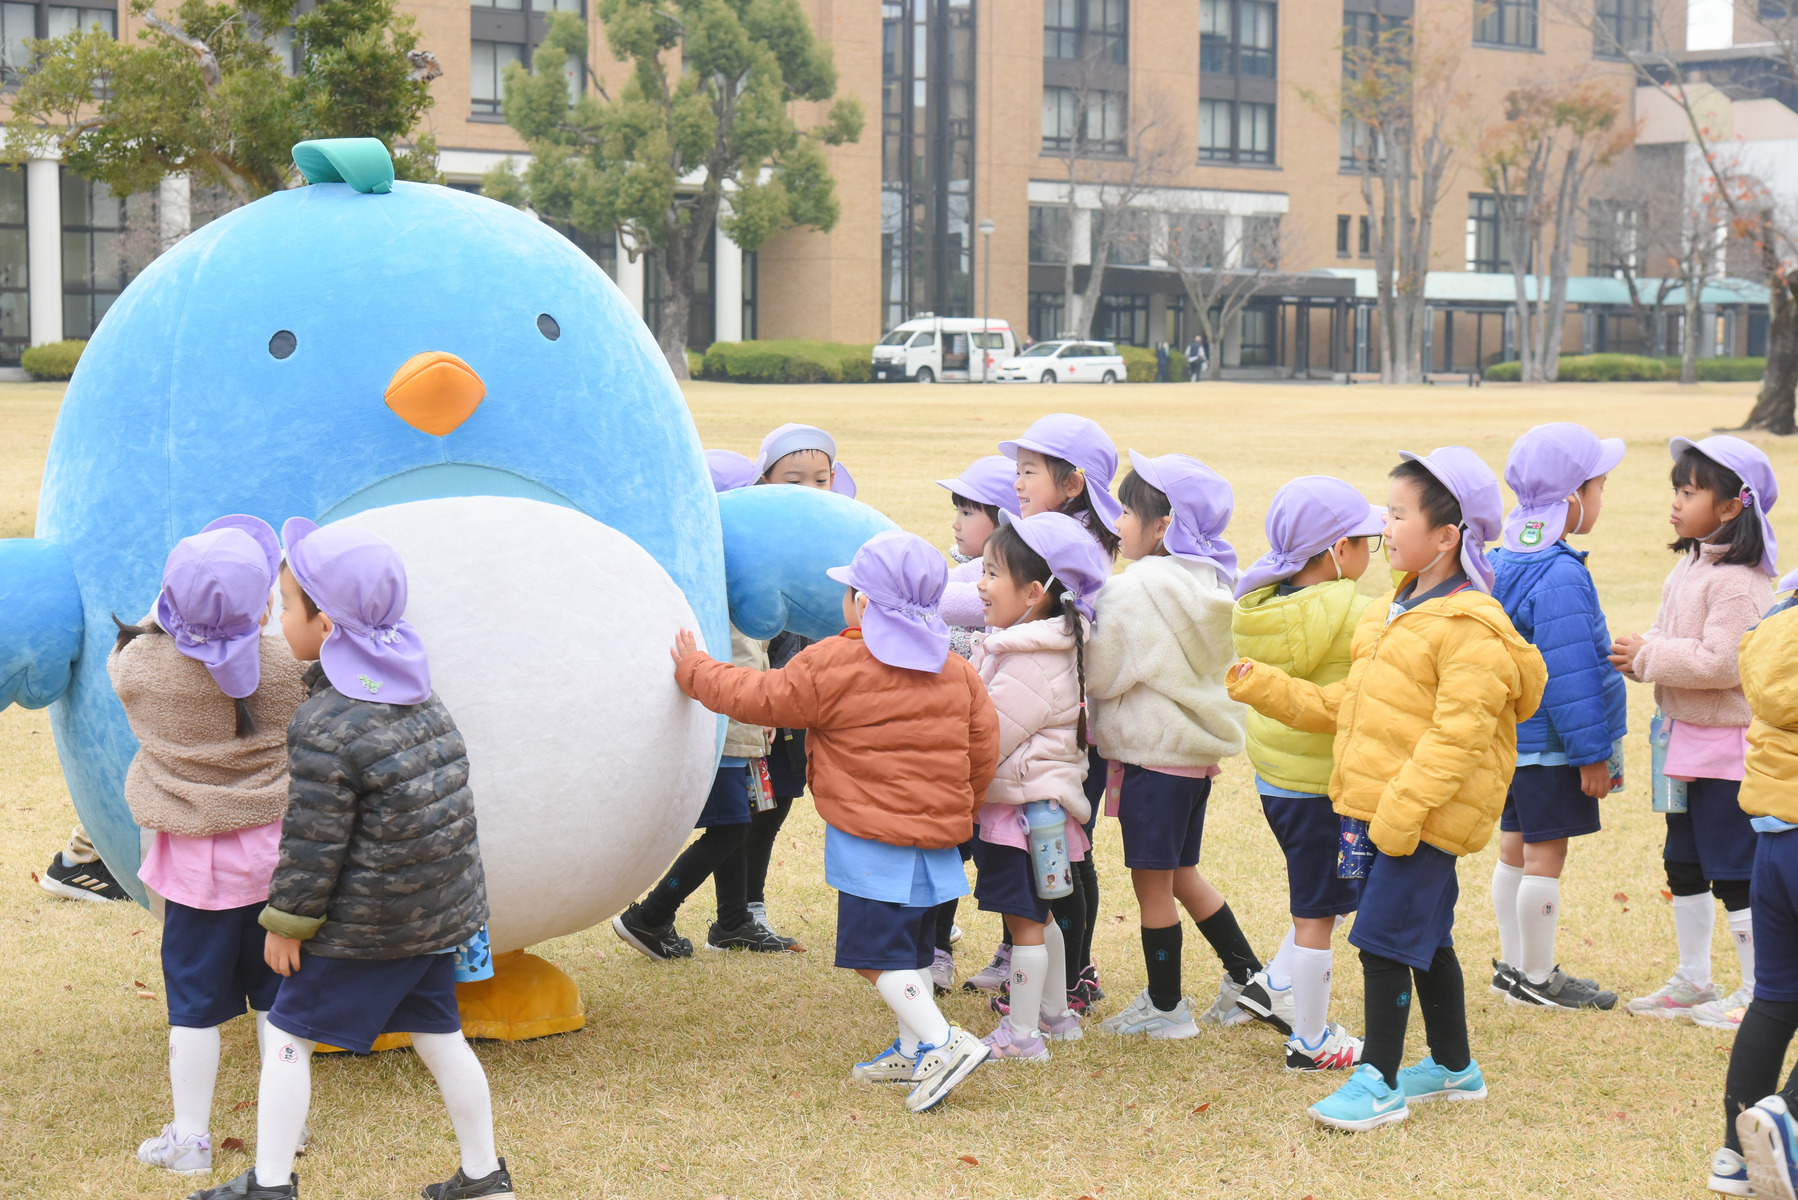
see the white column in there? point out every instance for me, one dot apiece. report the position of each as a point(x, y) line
point(629, 279)
point(727, 290)
point(174, 211)
point(43, 248)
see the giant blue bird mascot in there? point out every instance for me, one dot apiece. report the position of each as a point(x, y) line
point(459, 378)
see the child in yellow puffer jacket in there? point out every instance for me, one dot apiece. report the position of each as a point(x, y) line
point(1425, 745)
point(1296, 609)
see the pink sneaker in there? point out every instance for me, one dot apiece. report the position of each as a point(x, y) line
point(1003, 1042)
point(1064, 1027)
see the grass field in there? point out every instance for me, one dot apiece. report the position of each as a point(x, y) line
point(726, 1076)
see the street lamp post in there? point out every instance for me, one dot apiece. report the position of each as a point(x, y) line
point(986, 228)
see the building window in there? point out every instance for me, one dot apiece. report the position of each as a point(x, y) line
point(1487, 251)
point(1122, 319)
point(1257, 343)
point(1046, 309)
point(1086, 29)
point(1363, 238)
point(1216, 33)
point(1505, 23)
point(21, 21)
point(15, 300)
point(1342, 235)
point(1238, 131)
point(1105, 122)
point(1366, 238)
point(1236, 37)
point(106, 241)
point(1613, 249)
point(1623, 27)
point(602, 248)
point(487, 70)
point(509, 31)
point(1048, 233)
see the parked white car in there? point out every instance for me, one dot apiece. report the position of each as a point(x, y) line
point(1064, 362)
point(951, 349)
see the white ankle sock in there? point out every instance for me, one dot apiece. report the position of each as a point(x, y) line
point(1741, 928)
point(464, 1086)
point(193, 1070)
point(913, 1006)
point(1505, 879)
point(1279, 967)
point(1311, 970)
point(1029, 971)
point(1538, 913)
point(282, 1100)
point(1693, 917)
point(1055, 982)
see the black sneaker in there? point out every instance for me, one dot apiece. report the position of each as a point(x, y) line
point(245, 1187)
point(659, 942)
point(497, 1186)
point(1561, 990)
point(751, 935)
point(83, 881)
point(1259, 1001)
point(1504, 976)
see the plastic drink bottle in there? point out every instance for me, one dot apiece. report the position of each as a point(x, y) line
point(1049, 848)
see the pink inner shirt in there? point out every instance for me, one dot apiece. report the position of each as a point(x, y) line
point(1114, 779)
point(226, 870)
point(1705, 751)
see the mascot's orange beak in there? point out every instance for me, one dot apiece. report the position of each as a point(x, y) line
point(435, 392)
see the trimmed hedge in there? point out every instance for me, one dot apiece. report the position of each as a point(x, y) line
point(1724, 370)
point(1635, 368)
point(1139, 364)
point(788, 361)
point(53, 360)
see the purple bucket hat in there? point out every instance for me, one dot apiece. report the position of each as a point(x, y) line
point(903, 577)
point(792, 438)
point(989, 480)
point(1471, 482)
point(1546, 465)
point(1074, 558)
point(1083, 443)
point(1202, 502)
point(373, 653)
point(1308, 516)
point(215, 588)
point(1760, 490)
point(730, 470)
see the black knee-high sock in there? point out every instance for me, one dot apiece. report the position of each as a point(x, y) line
point(1442, 998)
point(1069, 912)
point(1755, 1059)
point(690, 870)
point(1387, 983)
point(1233, 949)
point(1161, 955)
point(945, 924)
point(758, 848)
point(1086, 878)
point(730, 883)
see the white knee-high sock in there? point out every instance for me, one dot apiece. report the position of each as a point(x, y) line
point(282, 1100)
point(1279, 967)
point(1505, 881)
point(464, 1086)
point(1029, 971)
point(1741, 928)
point(1055, 982)
point(1538, 914)
point(1693, 917)
point(261, 1032)
point(1311, 972)
point(193, 1070)
point(913, 1005)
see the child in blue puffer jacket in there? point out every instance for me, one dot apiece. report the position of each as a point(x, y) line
point(1566, 752)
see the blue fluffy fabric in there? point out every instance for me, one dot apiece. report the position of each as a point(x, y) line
point(778, 542)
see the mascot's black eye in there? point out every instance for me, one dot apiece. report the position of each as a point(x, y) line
point(282, 344)
point(546, 325)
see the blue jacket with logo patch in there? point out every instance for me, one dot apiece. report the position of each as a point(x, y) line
point(1549, 595)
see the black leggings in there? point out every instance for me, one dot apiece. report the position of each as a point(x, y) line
point(1687, 879)
point(758, 847)
point(1755, 1060)
point(1441, 993)
point(718, 853)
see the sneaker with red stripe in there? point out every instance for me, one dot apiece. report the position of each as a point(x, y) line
point(1339, 1051)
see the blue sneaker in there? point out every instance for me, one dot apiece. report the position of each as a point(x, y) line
point(1770, 1144)
point(1729, 1174)
point(1427, 1081)
point(1364, 1102)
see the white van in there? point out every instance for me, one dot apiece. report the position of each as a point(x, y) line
point(930, 348)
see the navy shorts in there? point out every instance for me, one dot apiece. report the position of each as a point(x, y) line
point(1006, 882)
point(1545, 803)
point(1310, 834)
point(212, 964)
point(1408, 906)
point(1713, 831)
point(729, 802)
point(349, 1002)
point(878, 935)
point(1162, 818)
point(1774, 898)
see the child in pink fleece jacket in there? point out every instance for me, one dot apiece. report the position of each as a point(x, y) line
point(1037, 581)
point(1723, 488)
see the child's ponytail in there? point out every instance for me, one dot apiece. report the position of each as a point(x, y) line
point(246, 723)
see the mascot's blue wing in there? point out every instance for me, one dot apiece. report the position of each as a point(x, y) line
point(40, 622)
point(778, 542)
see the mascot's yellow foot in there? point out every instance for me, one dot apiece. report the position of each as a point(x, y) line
point(528, 997)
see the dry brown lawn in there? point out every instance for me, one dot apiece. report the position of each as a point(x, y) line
point(726, 1076)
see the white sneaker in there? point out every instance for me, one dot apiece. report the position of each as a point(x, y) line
point(1142, 1017)
point(1674, 999)
point(892, 1065)
point(942, 971)
point(181, 1156)
point(1264, 1002)
point(1339, 1051)
point(954, 933)
point(941, 1069)
point(1223, 1010)
point(1726, 1013)
point(1729, 1174)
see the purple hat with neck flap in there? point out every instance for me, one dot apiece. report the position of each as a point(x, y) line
point(903, 577)
point(791, 439)
point(357, 579)
point(1473, 485)
point(1074, 558)
point(1545, 466)
point(1081, 442)
point(1202, 502)
point(1760, 490)
point(215, 588)
point(990, 480)
point(729, 470)
point(1308, 516)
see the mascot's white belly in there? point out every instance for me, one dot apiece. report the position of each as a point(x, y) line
point(548, 634)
